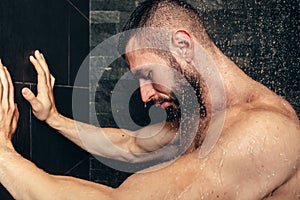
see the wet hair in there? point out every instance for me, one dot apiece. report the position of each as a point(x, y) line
point(157, 13)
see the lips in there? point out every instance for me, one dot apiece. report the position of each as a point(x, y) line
point(171, 108)
point(164, 105)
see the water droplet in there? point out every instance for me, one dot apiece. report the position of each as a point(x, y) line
point(273, 173)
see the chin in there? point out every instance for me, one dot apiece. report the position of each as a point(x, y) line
point(173, 113)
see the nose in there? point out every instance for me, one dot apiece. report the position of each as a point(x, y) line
point(147, 91)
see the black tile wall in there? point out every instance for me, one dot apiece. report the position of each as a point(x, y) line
point(4, 194)
point(47, 18)
point(59, 29)
point(50, 150)
point(22, 137)
point(79, 37)
point(100, 173)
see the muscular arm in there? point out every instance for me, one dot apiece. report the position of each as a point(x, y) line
point(119, 144)
point(25, 181)
point(22, 178)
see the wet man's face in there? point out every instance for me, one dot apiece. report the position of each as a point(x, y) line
point(157, 80)
point(160, 81)
point(163, 81)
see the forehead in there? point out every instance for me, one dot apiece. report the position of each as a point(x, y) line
point(137, 57)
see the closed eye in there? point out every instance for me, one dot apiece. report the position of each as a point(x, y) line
point(149, 76)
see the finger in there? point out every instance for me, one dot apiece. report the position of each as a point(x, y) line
point(42, 84)
point(31, 98)
point(16, 117)
point(40, 58)
point(36, 65)
point(28, 94)
point(52, 81)
point(4, 83)
point(11, 97)
point(17, 114)
point(1, 86)
point(52, 86)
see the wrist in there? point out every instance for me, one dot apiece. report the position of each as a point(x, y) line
point(54, 120)
point(6, 147)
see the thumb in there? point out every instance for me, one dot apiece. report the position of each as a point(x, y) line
point(31, 98)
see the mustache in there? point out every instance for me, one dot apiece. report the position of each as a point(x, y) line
point(171, 99)
point(160, 100)
point(173, 112)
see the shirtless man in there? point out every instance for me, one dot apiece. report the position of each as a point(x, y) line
point(256, 156)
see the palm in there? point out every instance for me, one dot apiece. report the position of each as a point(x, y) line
point(43, 105)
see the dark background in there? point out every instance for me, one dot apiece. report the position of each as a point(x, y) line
point(59, 29)
point(262, 37)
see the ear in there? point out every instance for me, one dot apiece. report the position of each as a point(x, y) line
point(182, 45)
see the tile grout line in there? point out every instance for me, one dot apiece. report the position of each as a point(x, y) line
point(83, 15)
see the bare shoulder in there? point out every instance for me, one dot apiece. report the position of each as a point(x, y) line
point(261, 151)
point(264, 123)
point(270, 139)
point(264, 131)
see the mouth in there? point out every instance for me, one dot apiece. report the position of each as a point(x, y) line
point(165, 104)
point(171, 107)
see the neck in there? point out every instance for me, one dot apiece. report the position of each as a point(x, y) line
point(226, 82)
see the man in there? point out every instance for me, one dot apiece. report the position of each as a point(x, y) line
point(256, 156)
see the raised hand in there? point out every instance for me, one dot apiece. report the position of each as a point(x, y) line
point(43, 104)
point(9, 113)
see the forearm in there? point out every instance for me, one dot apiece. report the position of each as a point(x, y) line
point(84, 135)
point(25, 181)
point(119, 144)
point(66, 126)
point(105, 142)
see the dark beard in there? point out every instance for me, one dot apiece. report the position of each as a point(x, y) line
point(188, 78)
point(193, 118)
point(173, 114)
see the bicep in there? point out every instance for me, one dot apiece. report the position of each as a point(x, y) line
point(146, 139)
point(156, 136)
point(150, 143)
point(74, 188)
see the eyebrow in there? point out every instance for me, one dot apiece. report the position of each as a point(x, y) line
point(137, 73)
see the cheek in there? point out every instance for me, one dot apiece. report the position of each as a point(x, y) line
point(165, 92)
point(161, 88)
point(165, 81)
